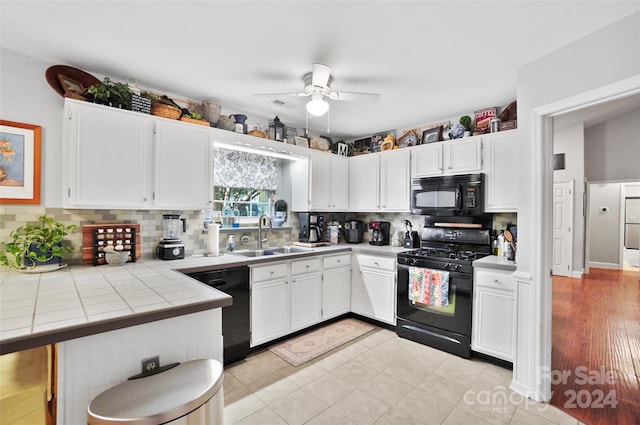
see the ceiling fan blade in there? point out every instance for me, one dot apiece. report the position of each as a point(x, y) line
point(299, 94)
point(320, 74)
point(354, 97)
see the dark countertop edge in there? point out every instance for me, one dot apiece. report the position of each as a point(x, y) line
point(25, 342)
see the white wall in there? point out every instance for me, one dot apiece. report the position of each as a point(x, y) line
point(604, 225)
point(612, 149)
point(28, 98)
point(570, 141)
point(604, 57)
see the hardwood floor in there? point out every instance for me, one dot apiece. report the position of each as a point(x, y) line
point(596, 347)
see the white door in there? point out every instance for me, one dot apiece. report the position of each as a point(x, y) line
point(562, 228)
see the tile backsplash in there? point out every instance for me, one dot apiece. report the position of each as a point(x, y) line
point(13, 216)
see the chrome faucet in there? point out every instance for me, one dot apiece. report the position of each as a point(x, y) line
point(260, 240)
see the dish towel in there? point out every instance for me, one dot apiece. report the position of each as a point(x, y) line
point(429, 287)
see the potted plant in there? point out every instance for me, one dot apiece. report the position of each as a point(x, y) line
point(34, 245)
point(195, 118)
point(465, 120)
point(109, 93)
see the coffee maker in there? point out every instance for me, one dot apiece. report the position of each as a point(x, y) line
point(353, 231)
point(379, 232)
point(171, 247)
point(311, 227)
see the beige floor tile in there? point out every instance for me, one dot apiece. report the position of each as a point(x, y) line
point(461, 370)
point(331, 360)
point(495, 406)
point(426, 406)
point(459, 417)
point(396, 416)
point(386, 388)
point(298, 407)
point(377, 337)
point(375, 359)
point(302, 375)
point(330, 416)
point(361, 408)
point(548, 412)
point(231, 384)
point(449, 389)
point(267, 358)
point(240, 404)
point(273, 387)
point(354, 372)
point(411, 372)
point(329, 389)
point(523, 417)
point(264, 416)
point(249, 370)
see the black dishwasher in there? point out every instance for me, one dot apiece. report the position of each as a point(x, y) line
point(235, 318)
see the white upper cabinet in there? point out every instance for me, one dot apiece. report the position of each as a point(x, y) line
point(458, 156)
point(122, 159)
point(106, 155)
point(380, 181)
point(501, 171)
point(320, 183)
point(183, 166)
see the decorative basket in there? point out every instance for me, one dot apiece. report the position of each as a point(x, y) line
point(165, 111)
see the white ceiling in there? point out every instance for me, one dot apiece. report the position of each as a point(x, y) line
point(429, 60)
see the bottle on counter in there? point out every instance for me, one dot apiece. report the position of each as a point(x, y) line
point(501, 241)
point(231, 243)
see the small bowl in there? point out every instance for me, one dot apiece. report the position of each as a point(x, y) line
point(116, 258)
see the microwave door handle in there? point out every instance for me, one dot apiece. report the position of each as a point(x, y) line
point(458, 198)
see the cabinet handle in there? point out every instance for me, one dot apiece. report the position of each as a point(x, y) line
point(307, 266)
point(497, 281)
point(339, 261)
point(376, 264)
point(271, 272)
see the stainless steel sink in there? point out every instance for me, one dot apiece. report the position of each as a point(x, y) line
point(271, 251)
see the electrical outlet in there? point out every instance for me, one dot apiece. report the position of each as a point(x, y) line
point(150, 363)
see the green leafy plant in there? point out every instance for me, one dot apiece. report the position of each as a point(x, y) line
point(280, 205)
point(36, 243)
point(111, 93)
point(465, 120)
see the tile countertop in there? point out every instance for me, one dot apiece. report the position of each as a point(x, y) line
point(496, 263)
point(44, 308)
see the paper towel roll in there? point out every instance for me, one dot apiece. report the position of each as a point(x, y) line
point(213, 245)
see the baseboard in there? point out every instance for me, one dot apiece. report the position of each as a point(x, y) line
point(598, 265)
point(577, 274)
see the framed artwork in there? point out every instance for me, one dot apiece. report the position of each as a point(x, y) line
point(302, 141)
point(378, 138)
point(70, 85)
point(409, 138)
point(19, 163)
point(432, 135)
point(343, 149)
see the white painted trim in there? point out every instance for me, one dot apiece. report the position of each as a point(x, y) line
point(610, 266)
point(538, 383)
point(577, 274)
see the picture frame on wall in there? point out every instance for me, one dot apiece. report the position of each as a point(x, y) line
point(377, 139)
point(301, 141)
point(70, 85)
point(20, 160)
point(432, 135)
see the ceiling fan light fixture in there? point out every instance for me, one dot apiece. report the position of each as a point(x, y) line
point(317, 106)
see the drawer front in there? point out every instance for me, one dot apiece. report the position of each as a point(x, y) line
point(272, 271)
point(334, 261)
point(374, 262)
point(305, 266)
point(495, 280)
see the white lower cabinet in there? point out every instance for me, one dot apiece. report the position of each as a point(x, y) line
point(494, 314)
point(336, 285)
point(288, 296)
point(270, 302)
point(306, 293)
point(373, 286)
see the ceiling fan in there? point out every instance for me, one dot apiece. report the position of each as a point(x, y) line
point(317, 85)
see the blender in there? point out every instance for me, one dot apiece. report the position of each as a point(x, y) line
point(171, 247)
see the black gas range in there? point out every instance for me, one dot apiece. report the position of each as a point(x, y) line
point(448, 252)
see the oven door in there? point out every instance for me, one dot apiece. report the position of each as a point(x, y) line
point(456, 317)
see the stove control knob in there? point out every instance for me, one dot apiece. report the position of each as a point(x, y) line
point(414, 261)
point(458, 267)
point(447, 266)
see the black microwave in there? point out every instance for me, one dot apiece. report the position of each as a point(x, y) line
point(448, 196)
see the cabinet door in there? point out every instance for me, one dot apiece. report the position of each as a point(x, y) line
point(183, 166)
point(364, 182)
point(501, 172)
point(463, 156)
point(105, 153)
point(299, 172)
point(339, 183)
point(427, 160)
point(494, 317)
point(336, 292)
point(380, 295)
point(394, 180)
point(306, 300)
point(320, 185)
point(269, 310)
